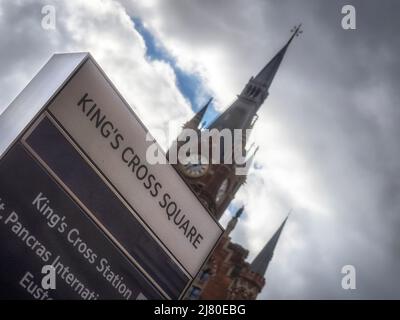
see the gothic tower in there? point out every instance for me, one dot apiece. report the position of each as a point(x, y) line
point(227, 275)
point(251, 279)
point(217, 183)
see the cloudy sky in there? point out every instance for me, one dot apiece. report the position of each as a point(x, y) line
point(328, 133)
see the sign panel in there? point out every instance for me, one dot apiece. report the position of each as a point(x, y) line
point(76, 192)
point(98, 120)
point(40, 225)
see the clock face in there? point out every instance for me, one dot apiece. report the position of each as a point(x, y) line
point(221, 191)
point(195, 168)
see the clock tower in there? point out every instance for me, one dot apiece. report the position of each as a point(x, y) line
point(217, 183)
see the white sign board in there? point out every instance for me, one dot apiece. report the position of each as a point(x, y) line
point(70, 140)
point(110, 134)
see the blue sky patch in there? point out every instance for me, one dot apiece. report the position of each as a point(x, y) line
point(188, 83)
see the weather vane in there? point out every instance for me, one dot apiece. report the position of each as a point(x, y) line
point(296, 30)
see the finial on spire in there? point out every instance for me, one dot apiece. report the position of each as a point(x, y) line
point(209, 101)
point(232, 223)
point(239, 212)
point(296, 31)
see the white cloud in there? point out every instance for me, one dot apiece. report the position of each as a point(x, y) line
point(105, 30)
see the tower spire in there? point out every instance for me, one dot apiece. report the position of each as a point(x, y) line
point(195, 121)
point(262, 260)
point(267, 74)
point(241, 113)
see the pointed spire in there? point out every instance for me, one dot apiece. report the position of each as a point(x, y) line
point(267, 74)
point(241, 113)
point(195, 121)
point(262, 260)
point(232, 223)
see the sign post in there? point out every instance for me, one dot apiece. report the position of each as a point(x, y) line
point(77, 193)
